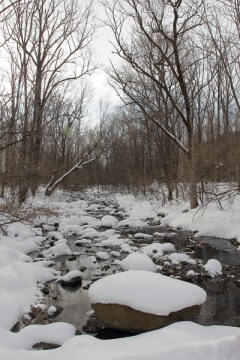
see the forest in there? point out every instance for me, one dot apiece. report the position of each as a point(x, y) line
point(119, 179)
point(177, 78)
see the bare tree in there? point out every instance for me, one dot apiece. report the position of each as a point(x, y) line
point(52, 40)
point(160, 52)
point(223, 36)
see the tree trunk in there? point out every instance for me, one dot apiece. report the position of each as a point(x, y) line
point(192, 184)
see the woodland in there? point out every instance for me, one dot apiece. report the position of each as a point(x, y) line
point(176, 123)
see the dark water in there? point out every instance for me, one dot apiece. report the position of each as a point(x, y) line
point(222, 306)
point(220, 249)
point(223, 293)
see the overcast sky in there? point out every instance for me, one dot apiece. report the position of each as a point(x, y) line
point(104, 52)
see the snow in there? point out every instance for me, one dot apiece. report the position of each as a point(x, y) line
point(191, 273)
point(138, 210)
point(167, 247)
point(115, 253)
point(109, 221)
point(207, 221)
point(57, 333)
point(142, 236)
point(213, 267)
point(146, 291)
point(177, 258)
point(21, 278)
point(89, 220)
point(23, 246)
point(18, 284)
point(126, 248)
point(138, 261)
point(52, 310)
point(71, 229)
point(20, 230)
point(83, 242)
point(70, 275)
point(57, 250)
point(55, 235)
point(156, 250)
point(102, 255)
point(181, 341)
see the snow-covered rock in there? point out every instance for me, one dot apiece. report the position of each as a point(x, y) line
point(141, 300)
point(83, 242)
point(109, 221)
point(54, 235)
point(213, 267)
point(57, 250)
point(52, 310)
point(138, 261)
point(142, 236)
point(115, 253)
point(177, 258)
point(155, 250)
point(102, 255)
point(72, 278)
point(71, 230)
point(146, 291)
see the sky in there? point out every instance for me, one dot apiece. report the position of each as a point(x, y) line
point(104, 54)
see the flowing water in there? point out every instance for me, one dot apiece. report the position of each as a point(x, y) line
point(223, 293)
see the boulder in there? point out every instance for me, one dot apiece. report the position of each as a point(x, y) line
point(121, 317)
point(139, 301)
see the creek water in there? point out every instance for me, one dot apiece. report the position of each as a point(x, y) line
point(222, 306)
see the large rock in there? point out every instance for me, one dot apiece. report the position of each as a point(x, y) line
point(139, 301)
point(125, 318)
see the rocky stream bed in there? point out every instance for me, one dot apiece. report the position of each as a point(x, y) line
point(72, 302)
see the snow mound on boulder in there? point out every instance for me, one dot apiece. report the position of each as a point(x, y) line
point(148, 292)
point(137, 261)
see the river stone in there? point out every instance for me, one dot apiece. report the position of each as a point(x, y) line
point(76, 282)
point(139, 301)
point(121, 317)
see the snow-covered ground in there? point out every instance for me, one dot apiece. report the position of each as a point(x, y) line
point(21, 280)
point(209, 221)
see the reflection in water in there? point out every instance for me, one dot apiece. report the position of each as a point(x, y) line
point(220, 249)
point(222, 306)
point(75, 305)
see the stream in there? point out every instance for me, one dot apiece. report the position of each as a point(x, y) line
point(223, 292)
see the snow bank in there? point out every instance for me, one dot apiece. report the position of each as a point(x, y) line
point(20, 230)
point(57, 333)
point(146, 291)
point(18, 284)
point(210, 222)
point(181, 341)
